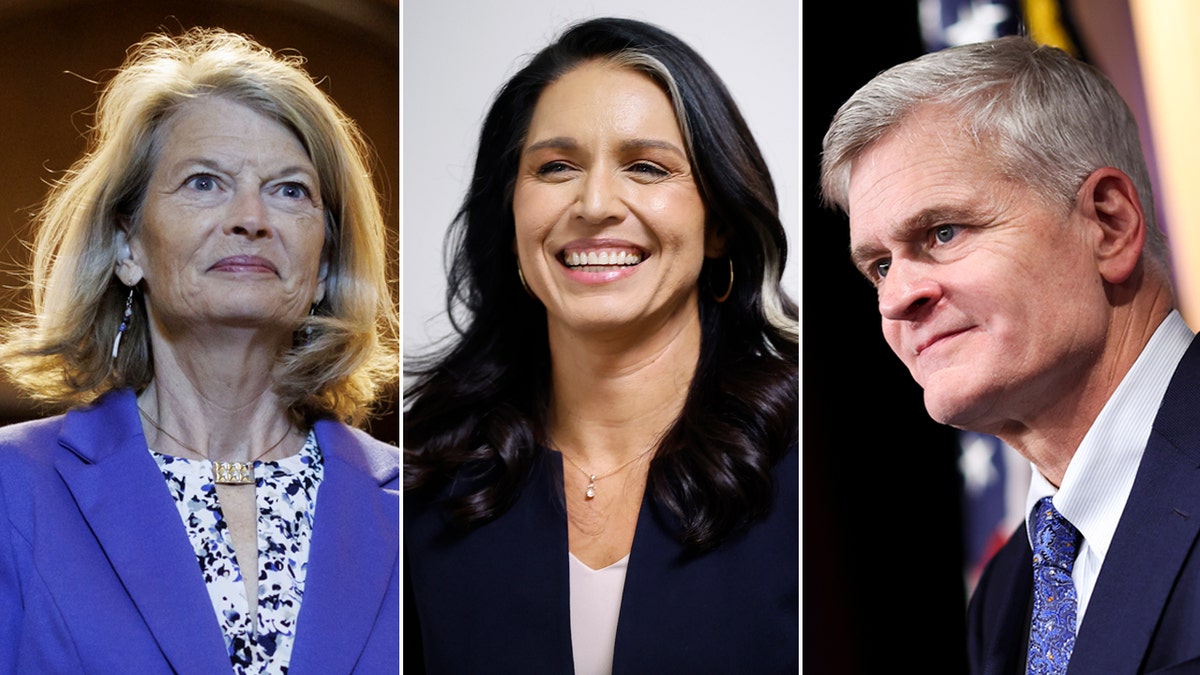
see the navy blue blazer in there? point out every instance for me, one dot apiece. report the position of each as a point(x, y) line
point(97, 574)
point(497, 600)
point(1144, 614)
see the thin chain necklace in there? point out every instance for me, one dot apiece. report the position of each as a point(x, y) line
point(225, 473)
point(590, 492)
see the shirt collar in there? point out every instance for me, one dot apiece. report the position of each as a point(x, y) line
point(1100, 474)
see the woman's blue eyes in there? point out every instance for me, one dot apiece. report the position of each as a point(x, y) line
point(202, 182)
point(294, 191)
point(207, 183)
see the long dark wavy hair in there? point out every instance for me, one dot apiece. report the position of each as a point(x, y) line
point(475, 411)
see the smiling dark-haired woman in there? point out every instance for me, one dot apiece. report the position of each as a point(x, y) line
point(601, 472)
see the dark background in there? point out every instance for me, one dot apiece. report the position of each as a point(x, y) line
point(882, 545)
point(53, 51)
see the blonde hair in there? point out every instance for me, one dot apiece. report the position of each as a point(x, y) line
point(60, 352)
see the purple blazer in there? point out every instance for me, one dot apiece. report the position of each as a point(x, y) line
point(97, 574)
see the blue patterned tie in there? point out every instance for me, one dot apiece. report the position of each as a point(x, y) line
point(1052, 630)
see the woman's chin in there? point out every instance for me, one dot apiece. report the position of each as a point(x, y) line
point(235, 319)
point(620, 319)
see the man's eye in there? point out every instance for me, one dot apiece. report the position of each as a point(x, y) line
point(881, 268)
point(944, 233)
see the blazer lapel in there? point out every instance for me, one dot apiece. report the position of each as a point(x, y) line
point(1157, 530)
point(354, 557)
point(122, 495)
point(999, 609)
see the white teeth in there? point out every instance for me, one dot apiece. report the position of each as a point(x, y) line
point(603, 258)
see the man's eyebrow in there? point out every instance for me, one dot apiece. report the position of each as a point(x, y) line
point(911, 228)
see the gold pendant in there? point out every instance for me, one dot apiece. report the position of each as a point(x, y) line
point(591, 488)
point(233, 473)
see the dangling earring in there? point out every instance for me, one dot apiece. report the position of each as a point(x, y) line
point(312, 311)
point(521, 276)
point(124, 322)
point(728, 289)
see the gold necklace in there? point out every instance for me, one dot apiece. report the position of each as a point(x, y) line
point(225, 473)
point(590, 492)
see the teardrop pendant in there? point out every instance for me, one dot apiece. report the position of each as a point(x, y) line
point(591, 488)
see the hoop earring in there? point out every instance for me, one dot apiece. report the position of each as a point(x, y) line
point(521, 276)
point(728, 289)
point(124, 322)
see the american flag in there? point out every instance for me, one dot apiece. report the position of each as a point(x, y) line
point(947, 23)
point(995, 480)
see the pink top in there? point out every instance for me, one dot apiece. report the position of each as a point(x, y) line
point(595, 608)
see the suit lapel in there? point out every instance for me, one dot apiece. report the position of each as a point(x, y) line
point(121, 494)
point(1157, 529)
point(354, 556)
point(999, 609)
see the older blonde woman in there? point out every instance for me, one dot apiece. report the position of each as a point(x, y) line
point(210, 301)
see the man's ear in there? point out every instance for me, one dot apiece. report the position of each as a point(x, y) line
point(127, 269)
point(1110, 202)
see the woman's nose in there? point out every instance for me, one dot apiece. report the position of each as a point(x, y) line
point(599, 198)
point(248, 215)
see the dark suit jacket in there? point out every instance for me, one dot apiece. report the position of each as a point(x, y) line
point(1144, 614)
point(97, 574)
point(497, 600)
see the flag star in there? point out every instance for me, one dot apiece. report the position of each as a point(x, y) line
point(977, 21)
point(975, 465)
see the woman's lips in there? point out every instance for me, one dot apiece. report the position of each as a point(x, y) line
point(244, 263)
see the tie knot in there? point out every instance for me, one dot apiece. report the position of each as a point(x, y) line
point(1055, 539)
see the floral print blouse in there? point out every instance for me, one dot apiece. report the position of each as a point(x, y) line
point(285, 495)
